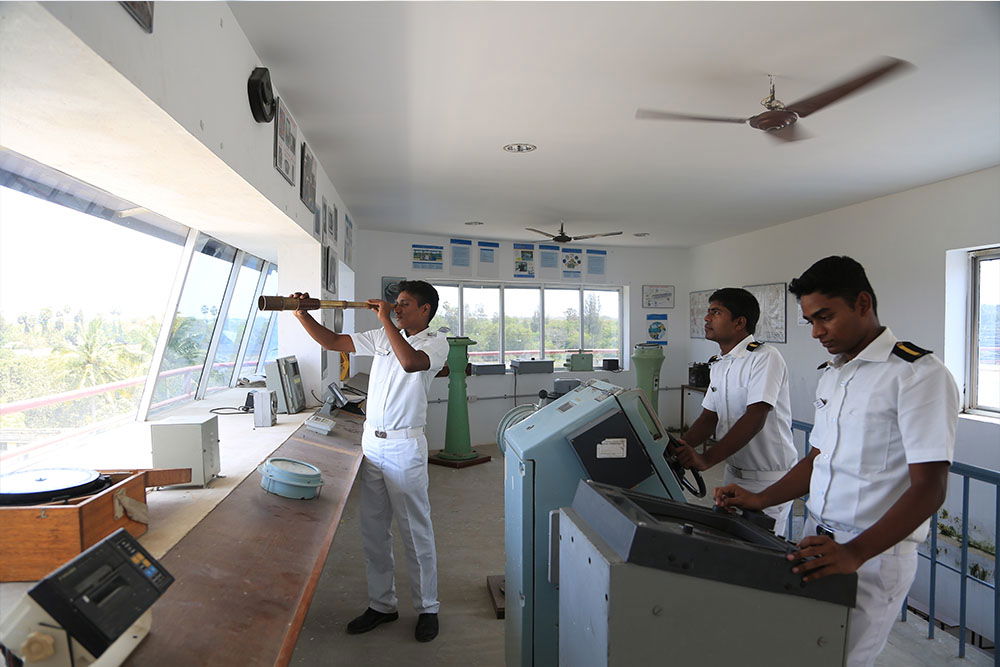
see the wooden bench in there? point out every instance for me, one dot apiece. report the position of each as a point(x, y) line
point(245, 575)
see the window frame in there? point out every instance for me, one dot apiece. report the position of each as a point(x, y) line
point(581, 289)
point(976, 257)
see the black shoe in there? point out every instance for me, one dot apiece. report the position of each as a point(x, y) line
point(370, 620)
point(427, 627)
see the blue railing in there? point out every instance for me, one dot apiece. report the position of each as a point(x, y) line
point(967, 473)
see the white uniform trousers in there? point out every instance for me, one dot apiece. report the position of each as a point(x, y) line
point(780, 512)
point(394, 484)
point(883, 582)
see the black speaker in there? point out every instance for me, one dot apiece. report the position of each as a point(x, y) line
point(262, 104)
point(609, 364)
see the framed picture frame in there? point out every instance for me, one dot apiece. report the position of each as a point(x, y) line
point(285, 142)
point(348, 241)
point(334, 223)
point(390, 288)
point(307, 184)
point(657, 296)
point(331, 272)
point(773, 300)
point(142, 12)
point(696, 316)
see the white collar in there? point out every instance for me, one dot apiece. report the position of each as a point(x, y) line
point(879, 350)
point(741, 348)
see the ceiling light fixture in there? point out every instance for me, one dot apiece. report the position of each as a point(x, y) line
point(520, 148)
point(641, 234)
point(475, 223)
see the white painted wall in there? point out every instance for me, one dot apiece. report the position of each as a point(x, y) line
point(387, 254)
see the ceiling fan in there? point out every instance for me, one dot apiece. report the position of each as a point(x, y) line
point(779, 120)
point(563, 237)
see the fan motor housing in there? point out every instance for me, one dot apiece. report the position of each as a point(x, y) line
point(773, 120)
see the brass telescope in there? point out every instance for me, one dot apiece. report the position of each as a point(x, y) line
point(289, 303)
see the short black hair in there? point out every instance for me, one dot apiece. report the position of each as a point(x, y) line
point(423, 292)
point(740, 303)
point(835, 276)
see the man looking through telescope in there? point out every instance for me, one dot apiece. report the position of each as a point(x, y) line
point(406, 357)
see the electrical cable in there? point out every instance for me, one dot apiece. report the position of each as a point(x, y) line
point(241, 410)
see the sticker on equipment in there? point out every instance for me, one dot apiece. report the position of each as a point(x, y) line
point(611, 448)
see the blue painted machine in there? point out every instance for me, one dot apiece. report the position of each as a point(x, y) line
point(597, 431)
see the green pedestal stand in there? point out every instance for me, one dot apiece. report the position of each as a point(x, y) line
point(647, 359)
point(458, 451)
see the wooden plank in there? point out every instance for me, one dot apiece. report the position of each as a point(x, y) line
point(167, 476)
point(245, 575)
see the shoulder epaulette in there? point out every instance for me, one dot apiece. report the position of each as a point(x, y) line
point(713, 358)
point(823, 365)
point(753, 345)
point(907, 351)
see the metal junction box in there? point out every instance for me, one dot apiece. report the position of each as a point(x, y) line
point(187, 442)
point(525, 366)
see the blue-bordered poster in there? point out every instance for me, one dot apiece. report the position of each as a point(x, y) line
point(461, 257)
point(428, 257)
point(572, 263)
point(524, 260)
point(489, 267)
point(656, 328)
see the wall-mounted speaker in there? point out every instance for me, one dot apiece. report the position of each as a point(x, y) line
point(262, 103)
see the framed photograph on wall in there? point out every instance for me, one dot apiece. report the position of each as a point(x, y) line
point(285, 141)
point(348, 241)
point(334, 223)
point(390, 288)
point(307, 185)
point(696, 316)
point(773, 300)
point(331, 272)
point(657, 296)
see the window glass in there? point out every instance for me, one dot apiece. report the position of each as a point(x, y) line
point(522, 314)
point(241, 307)
point(987, 390)
point(481, 322)
point(261, 318)
point(81, 302)
point(601, 324)
point(447, 314)
point(191, 330)
point(562, 324)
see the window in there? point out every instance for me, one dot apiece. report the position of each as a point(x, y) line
point(481, 322)
point(519, 321)
point(191, 331)
point(984, 348)
point(82, 294)
point(253, 358)
point(522, 335)
point(239, 313)
point(562, 324)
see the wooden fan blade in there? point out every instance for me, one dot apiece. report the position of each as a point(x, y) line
point(538, 231)
point(790, 133)
point(827, 97)
point(650, 114)
point(594, 236)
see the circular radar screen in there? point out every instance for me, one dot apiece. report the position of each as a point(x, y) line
point(42, 485)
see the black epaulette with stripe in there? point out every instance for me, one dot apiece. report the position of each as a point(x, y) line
point(713, 358)
point(753, 345)
point(823, 365)
point(907, 351)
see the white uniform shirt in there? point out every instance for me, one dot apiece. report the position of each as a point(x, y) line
point(397, 399)
point(875, 414)
point(744, 377)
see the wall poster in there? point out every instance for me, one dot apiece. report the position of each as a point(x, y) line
point(524, 260)
point(427, 257)
point(656, 328)
point(489, 266)
point(773, 299)
point(572, 263)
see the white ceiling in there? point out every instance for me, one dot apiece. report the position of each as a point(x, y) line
point(407, 106)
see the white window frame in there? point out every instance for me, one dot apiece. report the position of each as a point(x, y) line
point(581, 289)
point(976, 257)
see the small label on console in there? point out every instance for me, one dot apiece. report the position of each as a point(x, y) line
point(611, 448)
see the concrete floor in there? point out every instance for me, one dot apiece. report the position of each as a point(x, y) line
point(467, 509)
